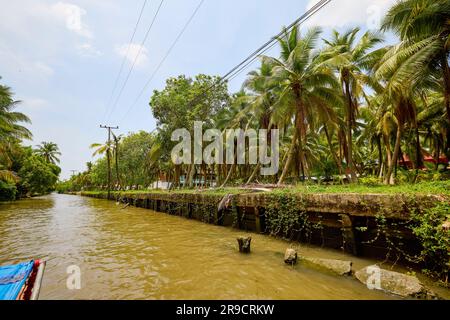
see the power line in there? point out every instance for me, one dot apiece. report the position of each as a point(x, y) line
point(273, 41)
point(136, 58)
point(124, 59)
point(235, 71)
point(165, 57)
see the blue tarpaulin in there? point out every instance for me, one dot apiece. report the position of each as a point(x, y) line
point(12, 279)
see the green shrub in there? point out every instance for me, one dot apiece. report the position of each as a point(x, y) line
point(437, 176)
point(435, 240)
point(370, 181)
point(8, 191)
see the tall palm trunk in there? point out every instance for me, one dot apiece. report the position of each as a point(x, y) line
point(350, 131)
point(299, 133)
point(230, 172)
point(389, 179)
point(291, 154)
point(446, 76)
point(330, 145)
point(380, 156)
point(116, 151)
point(437, 153)
point(254, 173)
point(387, 144)
point(300, 125)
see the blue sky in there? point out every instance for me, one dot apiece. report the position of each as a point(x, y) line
point(62, 57)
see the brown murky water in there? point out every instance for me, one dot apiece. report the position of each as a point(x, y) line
point(140, 254)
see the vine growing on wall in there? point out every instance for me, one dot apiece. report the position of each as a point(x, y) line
point(286, 216)
point(429, 227)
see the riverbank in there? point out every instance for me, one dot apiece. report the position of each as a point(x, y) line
point(385, 225)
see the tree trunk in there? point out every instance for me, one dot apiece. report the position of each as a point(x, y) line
point(300, 127)
point(446, 76)
point(380, 156)
point(228, 175)
point(389, 177)
point(254, 173)
point(330, 144)
point(117, 164)
point(108, 157)
point(387, 144)
point(290, 158)
point(419, 156)
point(350, 133)
point(438, 153)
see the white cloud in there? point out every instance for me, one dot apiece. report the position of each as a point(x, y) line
point(131, 51)
point(72, 16)
point(343, 13)
point(88, 50)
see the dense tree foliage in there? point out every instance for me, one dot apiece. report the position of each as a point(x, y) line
point(37, 176)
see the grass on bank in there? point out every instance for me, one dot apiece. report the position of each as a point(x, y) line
point(422, 188)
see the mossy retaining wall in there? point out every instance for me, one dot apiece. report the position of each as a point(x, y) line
point(349, 222)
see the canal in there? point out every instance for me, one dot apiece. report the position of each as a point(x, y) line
point(135, 253)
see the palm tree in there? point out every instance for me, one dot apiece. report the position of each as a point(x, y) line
point(101, 149)
point(11, 131)
point(351, 60)
point(403, 111)
point(424, 30)
point(49, 151)
point(306, 87)
point(235, 116)
point(262, 96)
point(10, 119)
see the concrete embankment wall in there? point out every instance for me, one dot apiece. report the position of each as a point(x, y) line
point(369, 225)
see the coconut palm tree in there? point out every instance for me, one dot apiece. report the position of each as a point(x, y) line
point(424, 30)
point(306, 88)
point(236, 116)
point(352, 59)
point(9, 119)
point(262, 95)
point(100, 149)
point(11, 131)
point(49, 151)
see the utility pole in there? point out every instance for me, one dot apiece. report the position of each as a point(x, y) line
point(108, 155)
point(73, 172)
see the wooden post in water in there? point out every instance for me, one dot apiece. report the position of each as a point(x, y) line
point(244, 244)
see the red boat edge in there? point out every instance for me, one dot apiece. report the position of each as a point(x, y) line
point(32, 287)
